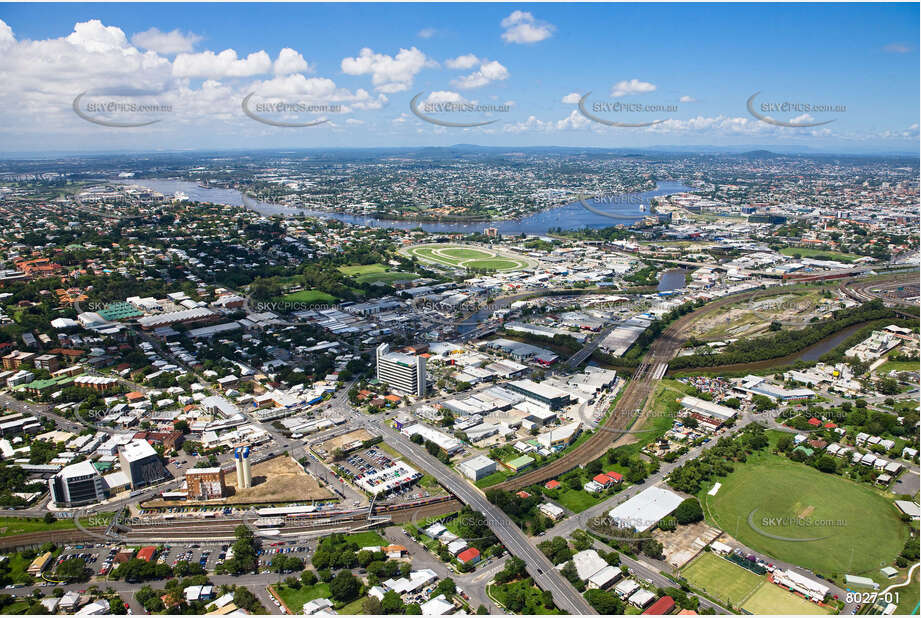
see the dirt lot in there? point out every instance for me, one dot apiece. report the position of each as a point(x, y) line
point(277, 480)
point(754, 318)
point(359, 435)
point(682, 545)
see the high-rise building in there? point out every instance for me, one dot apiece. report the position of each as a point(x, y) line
point(78, 484)
point(141, 463)
point(205, 483)
point(402, 372)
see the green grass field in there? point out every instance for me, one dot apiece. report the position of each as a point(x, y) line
point(466, 254)
point(772, 599)
point(22, 525)
point(367, 539)
point(493, 479)
point(467, 257)
point(362, 269)
point(577, 500)
point(888, 366)
point(908, 596)
point(388, 277)
point(493, 264)
point(295, 599)
point(820, 254)
point(309, 296)
point(721, 579)
point(825, 523)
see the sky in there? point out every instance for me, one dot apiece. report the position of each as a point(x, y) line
point(225, 76)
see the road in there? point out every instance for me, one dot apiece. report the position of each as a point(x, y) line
point(509, 534)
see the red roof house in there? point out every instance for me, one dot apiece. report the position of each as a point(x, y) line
point(617, 477)
point(552, 484)
point(470, 555)
point(660, 607)
point(604, 480)
point(146, 553)
point(814, 422)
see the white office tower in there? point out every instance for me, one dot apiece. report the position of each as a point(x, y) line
point(241, 459)
point(402, 372)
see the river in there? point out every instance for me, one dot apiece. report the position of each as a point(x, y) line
point(627, 208)
point(671, 280)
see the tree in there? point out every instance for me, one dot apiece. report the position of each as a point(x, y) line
point(72, 569)
point(827, 464)
point(309, 578)
point(604, 602)
point(392, 603)
point(689, 511)
point(446, 587)
point(372, 606)
point(50, 518)
point(344, 587)
point(785, 442)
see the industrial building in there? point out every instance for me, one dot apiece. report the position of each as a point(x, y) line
point(205, 483)
point(541, 394)
point(644, 510)
point(402, 372)
point(244, 472)
point(477, 467)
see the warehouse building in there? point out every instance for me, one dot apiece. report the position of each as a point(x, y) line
point(477, 467)
point(541, 394)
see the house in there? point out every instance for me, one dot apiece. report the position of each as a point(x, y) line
point(552, 484)
point(470, 555)
point(661, 607)
point(604, 480)
point(641, 598)
point(552, 511)
point(605, 577)
point(317, 606)
point(439, 606)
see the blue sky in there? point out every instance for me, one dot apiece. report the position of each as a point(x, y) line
point(694, 65)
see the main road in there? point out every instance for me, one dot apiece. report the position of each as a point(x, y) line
point(509, 534)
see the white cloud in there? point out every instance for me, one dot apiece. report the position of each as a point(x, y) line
point(445, 96)
point(6, 35)
point(897, 48)
point(488, 72)
point(297, 87)
point(687, 99)
point(388, 73)
point(632, 86)
point(427, 33)
point(167, 43)
point(290, 61)
point(521, 27)
point(209, 65)
point(572, 97)
point(467, 61)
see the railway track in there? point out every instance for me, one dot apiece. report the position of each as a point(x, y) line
point(631, 402)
